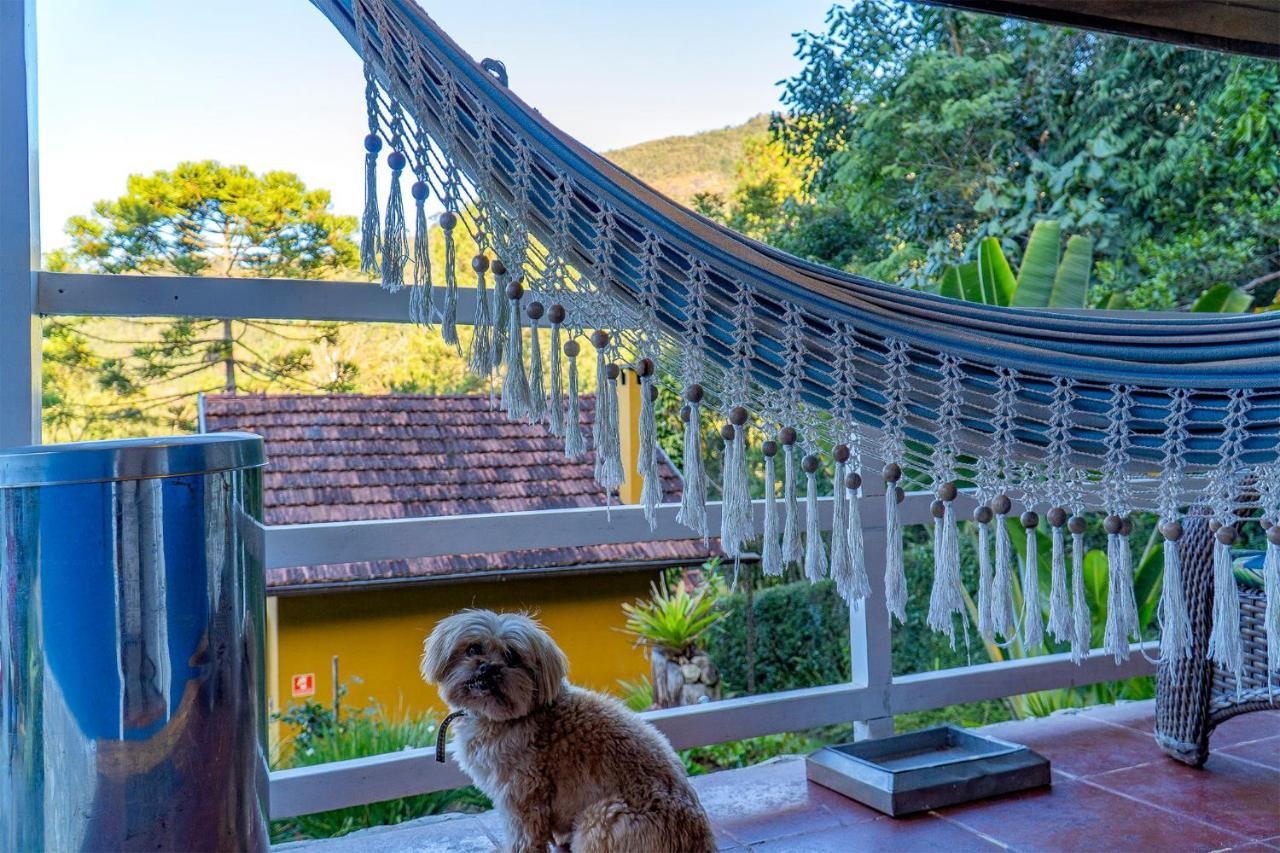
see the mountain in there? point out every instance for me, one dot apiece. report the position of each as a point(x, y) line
point(682, 166)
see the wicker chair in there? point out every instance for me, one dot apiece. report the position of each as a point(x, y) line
point(1194, 696)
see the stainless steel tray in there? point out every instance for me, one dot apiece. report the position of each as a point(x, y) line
point(926, 769)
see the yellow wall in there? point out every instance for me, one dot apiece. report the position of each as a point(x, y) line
point(378, 634)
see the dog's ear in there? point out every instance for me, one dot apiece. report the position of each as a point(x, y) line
point(437, 650)
point(549, 664)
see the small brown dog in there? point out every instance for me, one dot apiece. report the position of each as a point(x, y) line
point(562, 764)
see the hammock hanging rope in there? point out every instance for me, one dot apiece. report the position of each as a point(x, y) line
point(1063, 411)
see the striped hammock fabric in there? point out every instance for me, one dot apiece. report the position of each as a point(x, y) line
point(826, 375)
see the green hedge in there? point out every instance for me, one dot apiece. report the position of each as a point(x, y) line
point(802, 638)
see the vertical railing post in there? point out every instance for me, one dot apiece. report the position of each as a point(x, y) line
point(870, 641)
point(19, 227)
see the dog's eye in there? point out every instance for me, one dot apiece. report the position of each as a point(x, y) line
point(475, 650)
point(511, 658)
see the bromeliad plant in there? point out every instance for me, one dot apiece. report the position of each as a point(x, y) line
point(672, 620)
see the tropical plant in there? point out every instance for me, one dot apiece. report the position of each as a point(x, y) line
point(637, 695)
point(671, 619)
point(1044, 279)
point(323, 734)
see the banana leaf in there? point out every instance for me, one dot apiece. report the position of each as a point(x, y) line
point(996, 277)
point(962, 282)
point(1071, 284)
point(1039, 266)
point(1223, 299)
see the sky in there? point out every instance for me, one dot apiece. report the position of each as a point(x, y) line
point(138, 85)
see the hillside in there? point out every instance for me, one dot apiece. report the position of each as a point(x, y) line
point(682, 166)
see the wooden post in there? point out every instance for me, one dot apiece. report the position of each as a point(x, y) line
point(19, 227)
point(629, 435)
point(870, 631)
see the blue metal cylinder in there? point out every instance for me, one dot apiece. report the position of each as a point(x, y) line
point(132, 626)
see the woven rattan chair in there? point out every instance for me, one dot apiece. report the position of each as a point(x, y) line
point(1194, 696)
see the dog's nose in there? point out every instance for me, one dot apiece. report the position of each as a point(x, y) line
point(488, 670)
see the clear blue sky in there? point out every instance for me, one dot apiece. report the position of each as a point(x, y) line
point(137, 85)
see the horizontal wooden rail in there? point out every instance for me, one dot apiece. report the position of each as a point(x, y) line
point(414, 771)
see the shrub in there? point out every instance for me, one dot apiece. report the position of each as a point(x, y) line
point(321, 737)
point(672, 620)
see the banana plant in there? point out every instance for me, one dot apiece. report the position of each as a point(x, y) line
point(1045, 279)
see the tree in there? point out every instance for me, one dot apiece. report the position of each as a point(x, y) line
point(201, 218)
point(932, 129)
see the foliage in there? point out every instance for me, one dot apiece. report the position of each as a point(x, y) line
point(744, 753)
point(637, 695)
point(802, 638)
point(672, 618)
point(321, 736)
point(933, 129)
point(1044, 281)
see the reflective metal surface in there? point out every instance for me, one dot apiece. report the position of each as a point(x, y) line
point(131, 648)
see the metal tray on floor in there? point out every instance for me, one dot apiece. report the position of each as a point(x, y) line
point(926, 769)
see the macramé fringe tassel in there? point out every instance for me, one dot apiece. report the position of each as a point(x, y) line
point(421, 299)
point(370, 220)
point(1059, 597)
point(1271, 586)
point(647, 463)
point(1081, 622)
point(395, 237)
point(449, 322)
point(859, 584)
point(515, 385)
point(1032, 618)
point(1002, 610)
point(479, 358)
point(555, 419)
point(1175, 621)
point(500, 312)
point(895, 576)
point(735, 511)
point(693, 499)
point(771, 548)
point(537, 411)
point(792, 544)
point(985, 581)
point(947, 597)
point(607, 443)
point(815, 557)
point(838, 564)
point(1122, 618)
point(1225, 648)
point(575, 444)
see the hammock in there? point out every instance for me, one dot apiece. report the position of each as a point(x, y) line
point(841, 375)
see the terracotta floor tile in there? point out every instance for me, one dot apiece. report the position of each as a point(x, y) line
point(902, 835)
point(773, 800)
point(1246, 727)
point(1078, 745)
point(1139, 716)
point(1265, 751)
point(1232, 794)
point(1078, 816)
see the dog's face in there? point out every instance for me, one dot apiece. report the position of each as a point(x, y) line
point(500, 666)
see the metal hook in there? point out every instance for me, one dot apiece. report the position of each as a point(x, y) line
point(496, 68)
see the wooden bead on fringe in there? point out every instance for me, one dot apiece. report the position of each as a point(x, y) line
point(809, 464)
point(449, 220)
point(1077, 524)
point(480, 263)
point(515, 290)
point(684, 413)
point(738, 416)
point(694, 393)
point(571, 349)
point(1126, 526)
point(1030, 520)
point(948, 492)
point(727, 432)
point(840, 453)
point(983, 514)
point(535, 310)
point(892, 472)
point(1227, 535)
point(853, 480)
point(645, 367)
point(1001, 504)
point(1273, 534)
point(787, 436)
point(599, 339)
point(769, 449)
point(1112, 525)
point(1172, 530)
point(612, 371)
point(1057, 517)
point(899, 495)
point(555, 314)
point(938, 509)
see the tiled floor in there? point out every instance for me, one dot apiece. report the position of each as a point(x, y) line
point(1112, 790)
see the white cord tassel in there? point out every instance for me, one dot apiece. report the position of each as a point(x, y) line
point(479, 358)
point(607, 441)
point(575, 444)
point(895, 576)
point(555, 415)
point(693, 499)
point(815, 556)
point(422, 298)
point(647, 463)
point(840, 567)
point(537, 412)
point(983, 515)
point(792, 544)
point(515, 385)
point(1059, 596)
point(1121, 610)
point(1175, 620)
point(370, 220)
point(1002, 609)
point(449, 323)
point(499, 311)
point(859, 584)
point(1271, 586)
point(737, 526)
point(1081, 622)
point(947, 597)
point(771, 547)
point(1225, 647)
point(1032, 618)
point(395, 237)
